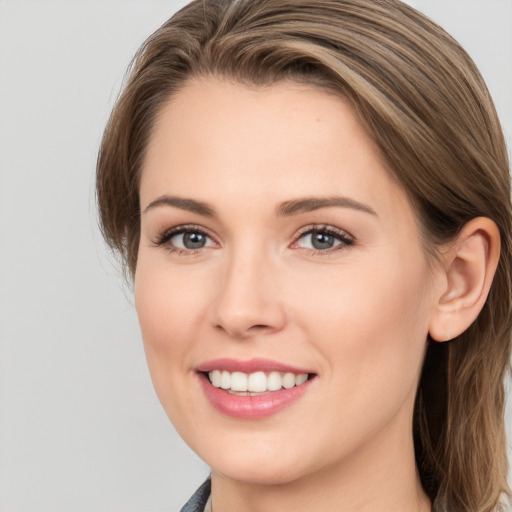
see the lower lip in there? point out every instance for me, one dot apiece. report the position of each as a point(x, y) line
point(251, 407)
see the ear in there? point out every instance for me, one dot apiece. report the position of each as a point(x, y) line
point(468, 267)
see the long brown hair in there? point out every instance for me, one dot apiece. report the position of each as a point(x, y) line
point(427, 107)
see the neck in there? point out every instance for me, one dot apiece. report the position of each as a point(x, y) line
point(380, 476)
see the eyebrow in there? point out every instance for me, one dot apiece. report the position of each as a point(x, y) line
point(309, 204)
point(190, 205)
point(286, 209)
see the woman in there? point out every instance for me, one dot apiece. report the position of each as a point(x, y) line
point(312, 198)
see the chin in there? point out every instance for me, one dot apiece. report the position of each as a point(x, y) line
point(259, 464)
point(268, 473)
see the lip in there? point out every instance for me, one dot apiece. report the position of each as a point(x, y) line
point(250, 366)
point(256, 406)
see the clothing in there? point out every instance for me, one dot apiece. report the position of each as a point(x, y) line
point(208, 506)
point(201, 498)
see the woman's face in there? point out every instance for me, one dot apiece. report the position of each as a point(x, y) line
point(275, 242)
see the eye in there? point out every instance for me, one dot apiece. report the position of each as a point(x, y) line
point(189, 240)
point(323, 239)
point(185, 238)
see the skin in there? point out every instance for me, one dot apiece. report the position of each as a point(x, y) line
point(357, 315)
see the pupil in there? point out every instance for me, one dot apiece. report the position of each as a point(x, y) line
point(194, 240)
point(322, 241)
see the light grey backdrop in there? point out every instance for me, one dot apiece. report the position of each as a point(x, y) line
point(80, 426)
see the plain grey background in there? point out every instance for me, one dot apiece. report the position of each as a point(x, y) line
point(80, 426)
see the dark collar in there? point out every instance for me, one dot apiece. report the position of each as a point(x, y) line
point(198, 501)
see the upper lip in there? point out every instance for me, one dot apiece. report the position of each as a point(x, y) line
point(250, 366)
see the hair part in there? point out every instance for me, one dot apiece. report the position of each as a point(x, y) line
point(427, 107)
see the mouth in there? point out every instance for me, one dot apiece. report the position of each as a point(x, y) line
point(252, 389)
point(255, 383)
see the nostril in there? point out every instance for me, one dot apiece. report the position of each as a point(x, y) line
point(260, 329)
point(240, 332)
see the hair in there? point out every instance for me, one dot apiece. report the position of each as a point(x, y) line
point(427, 107)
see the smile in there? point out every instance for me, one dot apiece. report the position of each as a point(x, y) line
point(257, 382)
point(252, 389)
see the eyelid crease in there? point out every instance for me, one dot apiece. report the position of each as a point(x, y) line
point(326, 228)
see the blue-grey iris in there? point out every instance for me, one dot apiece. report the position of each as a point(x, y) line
point(321, 240)
point(194, 240)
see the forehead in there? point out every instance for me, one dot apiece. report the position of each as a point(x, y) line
point(287, 139)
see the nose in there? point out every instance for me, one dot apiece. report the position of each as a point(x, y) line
point(247, 302)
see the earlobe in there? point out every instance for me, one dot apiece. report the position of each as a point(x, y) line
point(469, 265)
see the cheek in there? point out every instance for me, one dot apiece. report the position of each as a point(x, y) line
point(169, 307)
point(370, 332)
point(379, 294)
point(370, 325)
point(168, 301)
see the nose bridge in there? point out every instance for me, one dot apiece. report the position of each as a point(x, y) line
point(246, 302)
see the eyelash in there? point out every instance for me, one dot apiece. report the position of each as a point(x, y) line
point(166, 236)
point(346, 239)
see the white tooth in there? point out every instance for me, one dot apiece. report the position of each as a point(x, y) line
point(225, 381)
point(289, 380)
point(257, 382)
point(301, 378)
point(274, 381)
point(215, 378)
point(238, 381)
